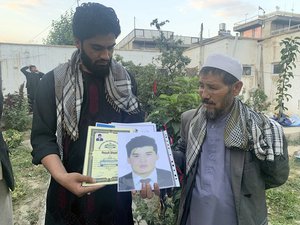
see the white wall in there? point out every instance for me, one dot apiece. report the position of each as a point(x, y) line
point(271, 55)
point(260, 55)
point(14, 56)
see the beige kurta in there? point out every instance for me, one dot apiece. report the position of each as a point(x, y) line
point(6, 210)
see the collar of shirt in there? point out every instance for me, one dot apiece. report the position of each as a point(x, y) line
point(137, 178)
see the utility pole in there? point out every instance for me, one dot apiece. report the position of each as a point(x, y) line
point(78, 2)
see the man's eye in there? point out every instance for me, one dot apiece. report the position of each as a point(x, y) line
point(98, 48)
point(212, 88)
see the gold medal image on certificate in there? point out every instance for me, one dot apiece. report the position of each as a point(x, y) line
point(101, 155)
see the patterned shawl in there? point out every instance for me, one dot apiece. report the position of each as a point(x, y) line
point(69, 95)
point(244, 130)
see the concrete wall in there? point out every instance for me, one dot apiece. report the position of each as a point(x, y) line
point(271, 55)
point(243, 49)
point(261, 56)
point(14, 56)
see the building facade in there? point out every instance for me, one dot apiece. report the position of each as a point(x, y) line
point(256, 45)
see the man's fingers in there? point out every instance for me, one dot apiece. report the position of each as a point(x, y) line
point(149, 191)
point(89, 190)
point(143, 191)
point(87, 179)
point(156, 189)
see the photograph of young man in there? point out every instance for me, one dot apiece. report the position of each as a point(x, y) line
point(142, 155)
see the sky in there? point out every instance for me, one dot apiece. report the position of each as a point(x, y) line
point(29, 21)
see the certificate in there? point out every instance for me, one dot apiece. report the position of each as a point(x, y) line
point(101, 155)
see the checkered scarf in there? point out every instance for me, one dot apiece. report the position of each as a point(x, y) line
point(69, 95)
point(245, 130)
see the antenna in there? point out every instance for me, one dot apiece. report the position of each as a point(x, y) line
point(260, 8)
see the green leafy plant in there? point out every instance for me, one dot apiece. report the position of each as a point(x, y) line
point(258, 100)
point(287, 63)
point(13, 138)
point(150, 210)
point(171, 59)
point(15, 111)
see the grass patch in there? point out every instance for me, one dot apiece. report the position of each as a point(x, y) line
point(31, 184)
point(26, 174)
point(284, 201)
point(295, 142)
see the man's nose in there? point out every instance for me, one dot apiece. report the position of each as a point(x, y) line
point(204, 93)
point(105, 54)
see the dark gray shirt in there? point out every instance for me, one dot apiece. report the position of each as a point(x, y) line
point(212, 199)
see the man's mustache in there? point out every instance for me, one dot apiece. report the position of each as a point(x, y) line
point(206, 101)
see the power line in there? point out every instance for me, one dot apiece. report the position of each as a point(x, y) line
point(45, 29)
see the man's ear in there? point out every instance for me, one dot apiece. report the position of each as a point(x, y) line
point(78, 43)
point(237, 87)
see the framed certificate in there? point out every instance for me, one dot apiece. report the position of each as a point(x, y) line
point(101, 154)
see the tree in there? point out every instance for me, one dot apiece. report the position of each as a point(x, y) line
point(165, 93)
point(287, 63)
point(258, 100)
point(171, 58)
point(61, 31)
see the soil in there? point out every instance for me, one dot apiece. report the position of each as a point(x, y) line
point(31, 210)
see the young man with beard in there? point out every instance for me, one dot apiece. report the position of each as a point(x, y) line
point(90, 88)
point(228, 153)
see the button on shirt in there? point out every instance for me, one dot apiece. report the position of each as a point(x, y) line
point(212, 200)
point(137, 179)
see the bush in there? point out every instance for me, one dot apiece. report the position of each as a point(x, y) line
point(258, 100)
point(15, 111)
point(150, 211)
point(13, 138)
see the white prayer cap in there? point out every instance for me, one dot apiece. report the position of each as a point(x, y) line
point(226, 63)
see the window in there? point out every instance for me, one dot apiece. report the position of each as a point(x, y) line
point(277, 68)
point(247, 70)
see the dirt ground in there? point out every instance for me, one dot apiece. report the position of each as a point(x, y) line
point(31, 210)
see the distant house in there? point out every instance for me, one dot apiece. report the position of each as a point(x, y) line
point(256, 45)
point(144, 39)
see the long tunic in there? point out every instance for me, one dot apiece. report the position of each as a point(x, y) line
point(212, 199)
point(105, 206)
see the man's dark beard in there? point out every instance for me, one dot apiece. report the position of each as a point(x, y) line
point(99, 70)
point(210, 115)
point(217, 113)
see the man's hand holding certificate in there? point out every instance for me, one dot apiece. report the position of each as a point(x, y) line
point(101, 155)
point(134, 157)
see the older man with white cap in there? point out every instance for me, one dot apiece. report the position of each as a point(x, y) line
point(229, 154)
